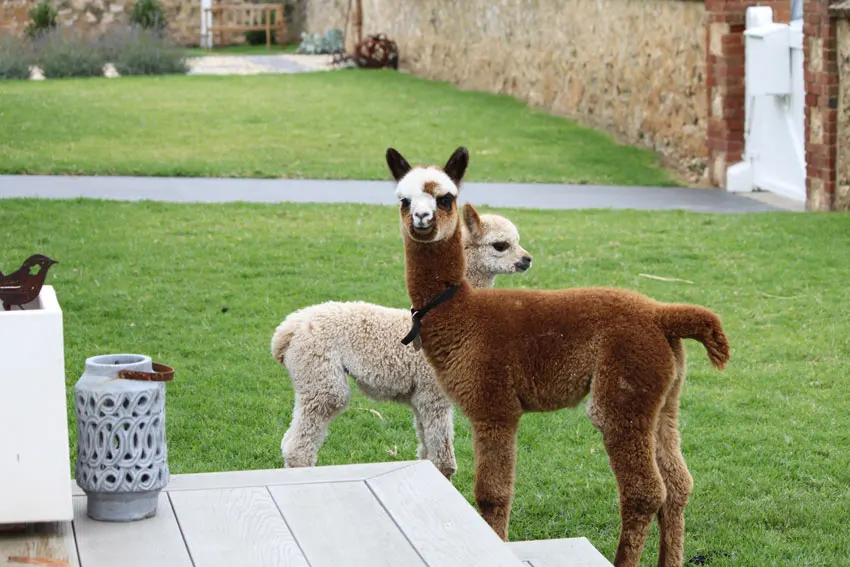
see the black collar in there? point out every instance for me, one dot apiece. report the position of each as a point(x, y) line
point(417, 314)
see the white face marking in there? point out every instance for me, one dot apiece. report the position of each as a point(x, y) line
point(423, 206)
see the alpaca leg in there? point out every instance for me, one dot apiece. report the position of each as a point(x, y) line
point(318, 400)
point(627, 393)
point(435, 427)
point(642, 492)
point(627, 416)
point(495, 470)
point(678, 482)
point(293, 426)
point(674, 470)
point(421, 448)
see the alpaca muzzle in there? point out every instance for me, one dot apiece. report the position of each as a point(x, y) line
point(422, 220)
point(524, 264)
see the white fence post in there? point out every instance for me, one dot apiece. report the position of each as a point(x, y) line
point(206, 23)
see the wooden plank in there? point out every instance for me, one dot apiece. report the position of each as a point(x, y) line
point(50, 544)
point(268, 19)
point(569, 552)
point(155, 541)
point(438, 521)
point(273, 477)
point(240, 28)
point(235, 526)
point(343, 524)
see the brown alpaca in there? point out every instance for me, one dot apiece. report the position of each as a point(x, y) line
point(501, 353)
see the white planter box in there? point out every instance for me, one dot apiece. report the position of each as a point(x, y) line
point(35, 466)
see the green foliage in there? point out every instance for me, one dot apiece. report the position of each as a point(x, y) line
point(139, 51)
point(42, 19)
point(15, 58)
point(314, 43)
point(148, 14)
point(766, 440)
point(68, 54)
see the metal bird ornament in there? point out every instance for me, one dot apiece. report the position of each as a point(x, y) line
point(24, 285)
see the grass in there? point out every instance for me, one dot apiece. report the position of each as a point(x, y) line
point(316, 125)
point(244, 49)
point(767, 440)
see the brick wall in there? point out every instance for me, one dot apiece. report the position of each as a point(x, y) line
point(821, 78)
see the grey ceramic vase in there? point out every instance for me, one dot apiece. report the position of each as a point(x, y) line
point(122, 461)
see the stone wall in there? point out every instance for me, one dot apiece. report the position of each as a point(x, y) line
point(842, 189)
point(323, 15)
point(635, 68)
point(93, 17)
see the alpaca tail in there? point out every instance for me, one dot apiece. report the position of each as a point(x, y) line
point(283, 335)
point(700, 324)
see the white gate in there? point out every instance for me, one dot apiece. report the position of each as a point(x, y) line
point(774, 134)
point(206, 24)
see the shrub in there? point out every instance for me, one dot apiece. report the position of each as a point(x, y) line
point(68, 55)
point(42, 19)
point(148, 14)
point(15, 58)
point(313, 43)
point(139, 51)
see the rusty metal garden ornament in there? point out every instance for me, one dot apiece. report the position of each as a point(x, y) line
point(24, 284)
point(376, 51)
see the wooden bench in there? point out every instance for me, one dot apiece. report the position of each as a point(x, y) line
point(570, 552)
point(226, 18)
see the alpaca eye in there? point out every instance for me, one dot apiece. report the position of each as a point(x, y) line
point(445, 202)
point(405, 203)
point(500, 246)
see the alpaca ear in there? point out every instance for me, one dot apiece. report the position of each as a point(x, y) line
point(456, 166)
point(398, 165)
point(472, 222)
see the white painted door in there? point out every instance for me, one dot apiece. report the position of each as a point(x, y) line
point(775, 101)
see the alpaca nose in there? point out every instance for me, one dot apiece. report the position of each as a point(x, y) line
point(524, 263)
point(421, 217)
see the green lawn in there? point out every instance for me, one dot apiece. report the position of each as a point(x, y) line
point(319, 125)
point(767, 440)
point(243, 50)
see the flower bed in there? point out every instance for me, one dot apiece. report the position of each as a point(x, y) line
point(58, 53)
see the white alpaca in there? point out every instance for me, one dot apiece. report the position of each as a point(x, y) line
point(322, 344)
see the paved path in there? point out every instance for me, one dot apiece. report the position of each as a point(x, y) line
point(239, 65)
point(538, 196)
point(253, 64)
